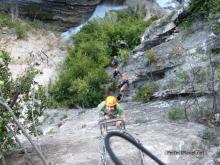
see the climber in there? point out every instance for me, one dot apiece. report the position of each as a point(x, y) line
point(110, 109)
point(115, 62)
point(122, 84)
point(117, 74)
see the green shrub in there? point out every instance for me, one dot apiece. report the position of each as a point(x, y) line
point(82, 79)
point(183, 76)
point(20, 27)
point(96, 51)
point(145, 93)
point(151, 56)
point(6, 21)
point(123, 55)
point(175, 113)
point(208, 10)
point(4, 57)
point(121, 14)
point(36, 24)
point(217, 28)
point(20, 31)
point(126, 29)
point(18, 93)
point(218, 74)
point(200, 9)
point(84, 91)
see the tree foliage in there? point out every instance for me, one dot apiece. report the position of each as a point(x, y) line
point(83, 74)
point(208, 10)
point(19, 93)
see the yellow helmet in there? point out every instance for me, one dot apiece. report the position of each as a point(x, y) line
point(110, 101)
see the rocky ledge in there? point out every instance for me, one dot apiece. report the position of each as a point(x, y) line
point(63, 14)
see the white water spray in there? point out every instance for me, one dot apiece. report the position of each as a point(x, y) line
point(166, 3)
point(100, 11)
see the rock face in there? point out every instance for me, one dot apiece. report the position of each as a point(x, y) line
point(77, 141)
point(178, 58)
point(150, 5)
point(181, 59)
point(61, 13)
point(43, 50)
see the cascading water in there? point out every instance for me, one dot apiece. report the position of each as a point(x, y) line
point(106, 6)
point(171, 3)
point(166, 3)
point(99, 12)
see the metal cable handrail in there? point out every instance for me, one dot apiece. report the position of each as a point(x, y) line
point(132, 141)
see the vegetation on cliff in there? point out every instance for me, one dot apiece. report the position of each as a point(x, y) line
point(19, 26)
point(20, 94)
point(83, 75)
point(205, 10)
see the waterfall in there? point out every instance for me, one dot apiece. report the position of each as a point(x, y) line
point(171, 3)
point(99, 12)
point(106, 6)
point(166, 3)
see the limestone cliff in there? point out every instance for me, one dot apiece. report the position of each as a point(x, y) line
point(179, 66)
point(63, 14)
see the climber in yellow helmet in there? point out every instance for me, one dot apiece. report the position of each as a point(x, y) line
point(110, 109)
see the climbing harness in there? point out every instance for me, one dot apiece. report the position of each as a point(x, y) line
point(108, 126)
